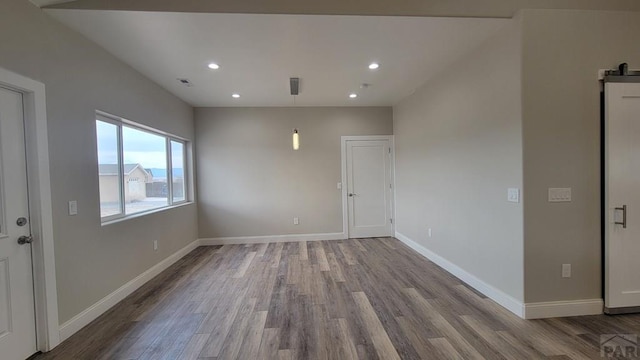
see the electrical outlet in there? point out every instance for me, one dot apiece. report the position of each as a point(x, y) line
point(296, 221)
point(566, 270)
point(155, 245)
point(429, 232)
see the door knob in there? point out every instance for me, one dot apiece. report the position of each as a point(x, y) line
point(352, 194)
point(25, 240)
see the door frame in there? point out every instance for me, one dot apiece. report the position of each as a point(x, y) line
point(343, 155)
point(40, 207)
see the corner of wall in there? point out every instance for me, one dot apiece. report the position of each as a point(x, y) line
point(505, 300)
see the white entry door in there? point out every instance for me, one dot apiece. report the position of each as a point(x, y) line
point(369, 188)
point(622, 241)
point(17, 317)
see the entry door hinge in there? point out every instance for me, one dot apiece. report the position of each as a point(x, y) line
point(389, 150)
point(391, 221)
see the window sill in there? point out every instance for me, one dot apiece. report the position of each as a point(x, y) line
point(145, 213)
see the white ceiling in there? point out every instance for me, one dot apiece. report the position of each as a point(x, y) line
point(258, 53)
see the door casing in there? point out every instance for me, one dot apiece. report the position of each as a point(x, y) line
point(343, 152)
point(40, 208)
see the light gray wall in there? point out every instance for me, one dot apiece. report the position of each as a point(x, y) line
point(458, 148)
point(563, 51)
point(251, 182)
point(92, 261)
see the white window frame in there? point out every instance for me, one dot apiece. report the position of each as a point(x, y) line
point(120, 123)
point(185, 185)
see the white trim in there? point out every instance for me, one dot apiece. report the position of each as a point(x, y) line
point(271, 238)
point(119, 121)
point(41, 215)
point(527, 310)
point(366, 137)
point(533, 311)
point(81, 320)
point(147, 212)
point(505, 300)
point(394, 226)
point(551, 309)
point(343, 179)
point(343, 167)
point(94, 311)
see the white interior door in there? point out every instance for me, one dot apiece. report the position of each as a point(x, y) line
point(622, 241)
point(17, 316)
point(369, 188)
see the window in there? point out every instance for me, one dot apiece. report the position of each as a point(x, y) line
point(145, 156)
point(177, 171)
point(139, 169)
point(109, 171)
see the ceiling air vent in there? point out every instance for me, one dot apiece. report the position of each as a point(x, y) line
point(294, 83)
point(185, 82)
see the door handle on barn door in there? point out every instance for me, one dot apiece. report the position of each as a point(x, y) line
point(624, 216)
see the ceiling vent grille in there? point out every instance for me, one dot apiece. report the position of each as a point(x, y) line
point(185, 82)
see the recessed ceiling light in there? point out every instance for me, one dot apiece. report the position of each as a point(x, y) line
point(235, 96)
point(214, 66)
point(353, 95)
point(374, 66)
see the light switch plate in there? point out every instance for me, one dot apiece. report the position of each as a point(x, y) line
point(559, 194)
point(513, 195)
point(73, 208)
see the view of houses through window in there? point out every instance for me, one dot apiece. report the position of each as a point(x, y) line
point(139, 170)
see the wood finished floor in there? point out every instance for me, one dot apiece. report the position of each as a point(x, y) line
point(351, 299)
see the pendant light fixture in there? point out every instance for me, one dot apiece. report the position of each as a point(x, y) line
point(296, 139)
point(294, 87)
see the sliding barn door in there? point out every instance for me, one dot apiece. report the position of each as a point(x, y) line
point(622, 197)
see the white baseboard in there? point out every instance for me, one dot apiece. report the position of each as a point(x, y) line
point(271, 238)
point(91, 313)
point(505, 300)
point(527, 310)
point(94, 311)
point(551, 309)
